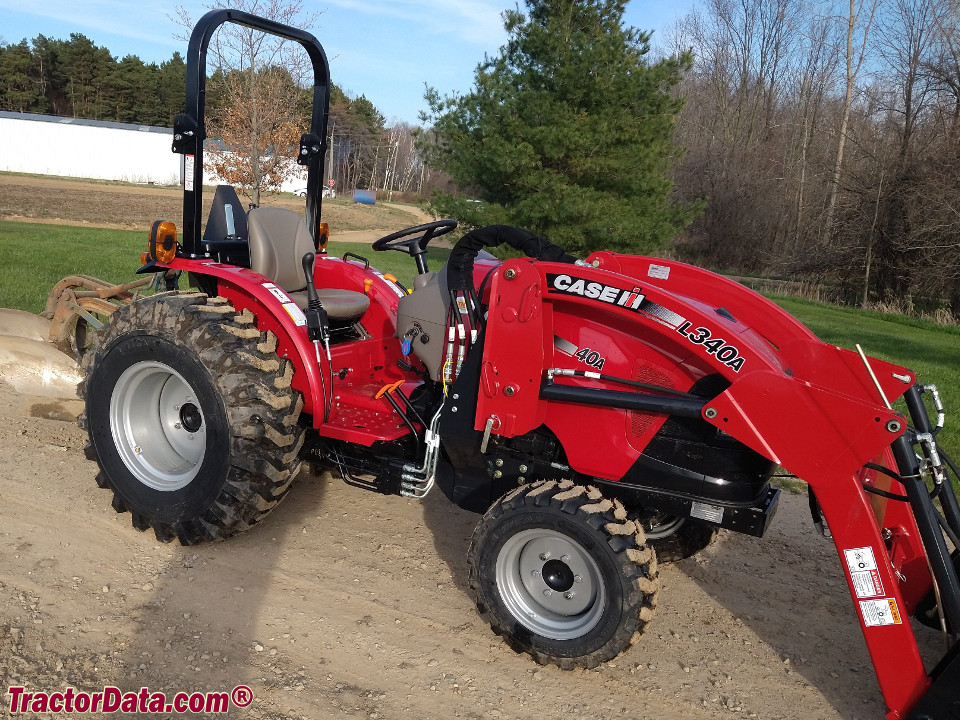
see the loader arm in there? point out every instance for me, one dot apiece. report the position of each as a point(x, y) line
point(815, 409)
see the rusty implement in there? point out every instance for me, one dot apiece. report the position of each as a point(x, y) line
point(80, 302)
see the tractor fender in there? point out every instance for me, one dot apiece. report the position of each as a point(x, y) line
point(275, 312)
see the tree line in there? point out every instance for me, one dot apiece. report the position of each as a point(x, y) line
point(823, 138)
point(814, 140)
point(75, 78)
point(808, 139)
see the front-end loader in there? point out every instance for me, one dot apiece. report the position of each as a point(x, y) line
point(597, 413)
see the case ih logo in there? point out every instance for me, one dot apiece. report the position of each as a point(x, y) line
point(567, 285)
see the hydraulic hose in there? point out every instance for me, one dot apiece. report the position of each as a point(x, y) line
point(460, 264)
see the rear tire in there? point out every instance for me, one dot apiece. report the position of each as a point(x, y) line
point(560, 573)
point(191, 417)
point(675, 538)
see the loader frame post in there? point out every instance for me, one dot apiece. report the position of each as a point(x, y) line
point(933, 542)
point(887, 546)
point(883, 615)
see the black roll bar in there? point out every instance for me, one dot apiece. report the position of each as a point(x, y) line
point(189, 128)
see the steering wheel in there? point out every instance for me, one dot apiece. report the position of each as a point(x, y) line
point(414, 240)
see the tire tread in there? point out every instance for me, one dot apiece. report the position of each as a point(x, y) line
point(635, 559)
point(255, 386)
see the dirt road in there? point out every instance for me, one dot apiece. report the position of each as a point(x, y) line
point(349, 604)
point(71, 201)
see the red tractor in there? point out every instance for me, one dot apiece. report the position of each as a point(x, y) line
point(598, 412)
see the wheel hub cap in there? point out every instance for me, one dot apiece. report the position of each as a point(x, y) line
point(190, 418)
point(557, 575)
point(157, 426)
point(550, 584)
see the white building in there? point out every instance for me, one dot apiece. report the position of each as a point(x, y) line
point(94, 149)
point(71, 147)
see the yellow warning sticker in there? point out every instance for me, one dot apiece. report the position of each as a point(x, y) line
point(880, 612)
point(295, 313)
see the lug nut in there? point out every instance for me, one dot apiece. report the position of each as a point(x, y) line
point(544, 556)
point(569, 596)
point(548, 592)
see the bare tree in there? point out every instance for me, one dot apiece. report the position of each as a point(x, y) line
point(826, 143)
point(854, 58)
point(259, 108)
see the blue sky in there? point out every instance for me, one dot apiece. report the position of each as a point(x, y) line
point(384, 49)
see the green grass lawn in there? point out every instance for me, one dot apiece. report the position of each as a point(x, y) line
point(931, 351)
point(34, 257)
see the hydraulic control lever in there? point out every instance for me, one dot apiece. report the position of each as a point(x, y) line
point(318, 324)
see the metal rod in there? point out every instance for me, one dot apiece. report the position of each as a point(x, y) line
point(873, 376)
point(683, 407)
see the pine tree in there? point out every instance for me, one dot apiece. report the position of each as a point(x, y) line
point(172, 88)
point(88, 71)
point(49, 55)
point(568, 131)
point(19, 80)
point(133, 92)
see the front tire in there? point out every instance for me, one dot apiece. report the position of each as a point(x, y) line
point(560, 573)
point(191, 417)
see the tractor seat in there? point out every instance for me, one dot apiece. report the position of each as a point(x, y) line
point(278, 241)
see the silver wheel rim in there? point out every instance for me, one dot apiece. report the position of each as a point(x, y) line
point(661, 525)
point(550, 584)
point(157, 426)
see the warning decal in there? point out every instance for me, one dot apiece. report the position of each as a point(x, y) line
point(867, 584)
point(277, 293)
point(880, 612)
point(660, 272)
point(863, 572)
point(188, 165)
point(296, 313)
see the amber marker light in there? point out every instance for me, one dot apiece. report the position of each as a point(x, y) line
point(163, 241)
point(323, 233)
